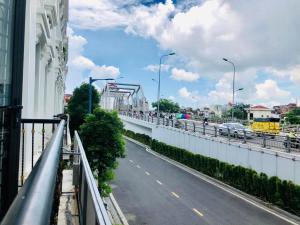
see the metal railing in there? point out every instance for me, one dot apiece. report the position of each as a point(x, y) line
point(39, 132)
point(280, 142)
point(35, 203)
point(91, 208)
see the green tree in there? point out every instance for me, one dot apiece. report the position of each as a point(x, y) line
point(166, 105)
point(293, 117)
point(103, 142)
point(239, 111)
point(78, 105)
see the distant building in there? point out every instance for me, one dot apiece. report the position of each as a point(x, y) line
point(219, 110)
point(67, 98)
point(258, 111)
point(282, 110)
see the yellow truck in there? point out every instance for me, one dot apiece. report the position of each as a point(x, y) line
point(270, 126)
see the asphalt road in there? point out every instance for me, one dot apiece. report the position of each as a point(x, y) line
point(151, 191)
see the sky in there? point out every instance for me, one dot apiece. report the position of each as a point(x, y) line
point(125, 38)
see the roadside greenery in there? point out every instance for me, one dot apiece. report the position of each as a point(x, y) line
point(101, 135)
point(78, 105)
point(102, 139)
point(293, 117)
point(239, 111)
point(284, 194)
point(166, 105)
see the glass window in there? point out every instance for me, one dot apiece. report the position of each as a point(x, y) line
point(6, 20)
point(6, 38)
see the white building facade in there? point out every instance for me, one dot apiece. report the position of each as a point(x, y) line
point(259, 111)
point(45, 58)
point(44, 70)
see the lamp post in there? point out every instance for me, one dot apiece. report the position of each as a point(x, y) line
point(233, 80)
point(91, 80)
point(158, 91)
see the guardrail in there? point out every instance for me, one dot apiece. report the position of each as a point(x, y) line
point(281, 142)
point(35, 203)
point(91, 208)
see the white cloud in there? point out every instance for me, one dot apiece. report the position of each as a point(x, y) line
point(206, 31)
point(82, 62)
point(171, 97)
point(180, 74)
point(155, 67)
point(269, 90)
point(79, 65)
point(105, 72)
point(184, 93)
point(293, 73)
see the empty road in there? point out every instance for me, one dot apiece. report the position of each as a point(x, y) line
point(151, 191)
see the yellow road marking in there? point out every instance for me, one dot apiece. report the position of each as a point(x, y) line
point(176, 195)
point(196, 211)
point(147, 173)
point(160, 183)
point(138, 166)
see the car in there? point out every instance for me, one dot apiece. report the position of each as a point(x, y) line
point(236, 130)
point(294, 142)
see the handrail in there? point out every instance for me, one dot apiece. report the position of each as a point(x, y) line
point(25, 120)
point(33, 204)
point(88, 194)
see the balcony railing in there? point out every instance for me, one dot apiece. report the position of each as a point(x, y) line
point(35, 134)
point(91, 208)
point(35, 201)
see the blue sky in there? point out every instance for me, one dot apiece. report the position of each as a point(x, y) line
point(126, 38)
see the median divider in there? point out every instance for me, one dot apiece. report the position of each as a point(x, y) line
point(284, 194)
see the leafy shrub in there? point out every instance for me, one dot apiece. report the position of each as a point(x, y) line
point(102, 139)
point(284, 194)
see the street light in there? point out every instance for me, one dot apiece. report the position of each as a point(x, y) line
point(118, 78)
point(91, 80)
point(233, 80)
point(158, 91)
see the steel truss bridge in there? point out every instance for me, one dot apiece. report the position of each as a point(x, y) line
point(124, 97)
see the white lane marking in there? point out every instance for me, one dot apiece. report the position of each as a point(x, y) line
point(157, 181)
point(196, 211)
point(221, 187)
point(130, 161)
point(138, 166)
point(174, 194)
point(147, 173)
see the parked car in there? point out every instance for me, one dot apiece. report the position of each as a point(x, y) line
point(294, 143)
point(236, 130)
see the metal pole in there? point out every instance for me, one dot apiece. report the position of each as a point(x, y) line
point(158, 91)
point(90, 95)
point(232, 113)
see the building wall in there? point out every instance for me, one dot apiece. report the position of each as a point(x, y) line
point(45, 70)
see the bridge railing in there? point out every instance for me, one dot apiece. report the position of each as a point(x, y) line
point(91, 207)
point(281, 142)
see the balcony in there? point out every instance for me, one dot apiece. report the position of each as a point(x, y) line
point(45, 150)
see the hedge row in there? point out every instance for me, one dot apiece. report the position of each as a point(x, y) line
point(284, 194)
point(145, 139)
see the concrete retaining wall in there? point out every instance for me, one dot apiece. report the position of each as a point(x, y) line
point(286, 166)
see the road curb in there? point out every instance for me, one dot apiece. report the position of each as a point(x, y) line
point(284, 215)
point(118, 210)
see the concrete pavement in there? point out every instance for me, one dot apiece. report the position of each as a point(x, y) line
point(151, 191)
